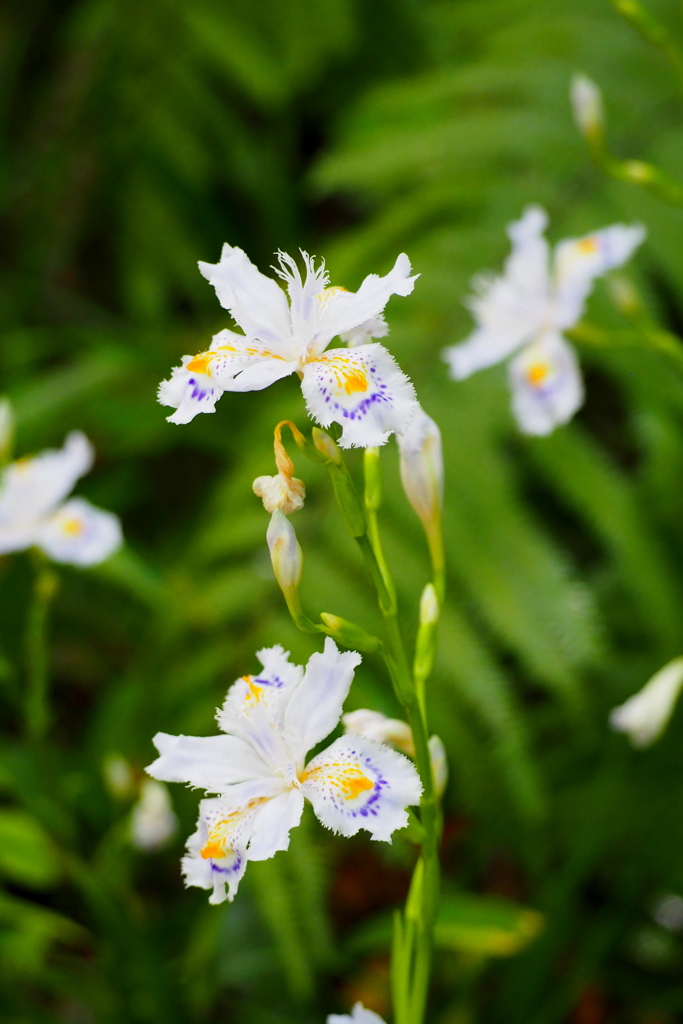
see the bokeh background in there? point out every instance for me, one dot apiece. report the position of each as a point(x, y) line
point(136, 139)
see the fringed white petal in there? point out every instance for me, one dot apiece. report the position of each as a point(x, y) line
point(546, 384)
point(579, 261)
point(364, 390)
point(315, 706)
point(211, 763)
point(256, 302)
point(357, 784)
point(342, 311)
point(255, 705)
point(189, 393)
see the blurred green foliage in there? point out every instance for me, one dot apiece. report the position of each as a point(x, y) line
point(136, 139)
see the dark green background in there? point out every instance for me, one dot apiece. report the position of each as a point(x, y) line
point(136, 138)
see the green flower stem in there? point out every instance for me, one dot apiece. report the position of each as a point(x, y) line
point(652, 31)
point(413, 941)
point(645, 335)
point(37, 659)
point(413, 933)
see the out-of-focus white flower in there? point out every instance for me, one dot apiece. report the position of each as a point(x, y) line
point(362, 388)
point(373, 725)
point(645, 716)
point(668, 912)
point(258, 768)
point(587, 107)
point(376, 726)
point(529, 306)
point(33, 510)
point(6, 430)
point(152, 821)
point(422, 468)
point(118, 776)
point(358, 1015)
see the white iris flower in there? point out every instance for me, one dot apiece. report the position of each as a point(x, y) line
point(361, 388)
point(358, 1015)
point(260, 774)
point(529, 306)
point(34, 512)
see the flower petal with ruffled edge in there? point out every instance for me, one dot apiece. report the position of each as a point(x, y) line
point(32, 488)
point(232, 363)
point(364, 390)
point(315, 706)
point(546, 384)
point(255, 706)
point(211, 763)
point(357, 784)
point(508, 309)
point(579, 261)
point(358, 1015)
point(257, 303)
point(78, 533)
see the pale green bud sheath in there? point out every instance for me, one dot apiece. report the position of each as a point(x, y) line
point(350, 634)
point(425, 647)
point(422, 477)
point(587, 107)
point(6, 431)
point(287, 558)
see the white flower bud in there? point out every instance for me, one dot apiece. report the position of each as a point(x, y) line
point(422, 467)
point(439, 761)
point(373, 725)
point(285, 553)
point(645, 716)
point(587, 107)
point(6, 430)
point(152, 821)
point(429, 606)
point(284, 493)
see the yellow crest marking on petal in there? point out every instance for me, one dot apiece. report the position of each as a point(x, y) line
point(73, 527)
point(355, 381)
point(201, 363)
point(589, 245)
point(328, 293)
point(212, 850)
point(218, 843)
point(348, 778)
point(537, 373)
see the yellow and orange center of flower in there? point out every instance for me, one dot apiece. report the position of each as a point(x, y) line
point(344, 776)
point(537, 374)
point(589, 245)
point(73, 527)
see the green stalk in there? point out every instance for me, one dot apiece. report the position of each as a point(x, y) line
point(37, 657)
point(416, 935)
